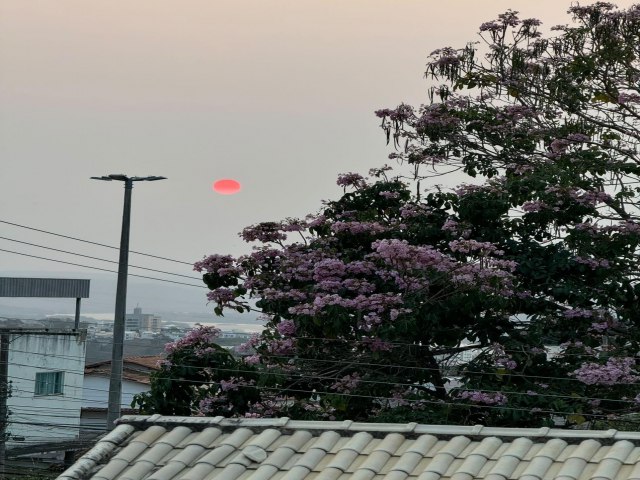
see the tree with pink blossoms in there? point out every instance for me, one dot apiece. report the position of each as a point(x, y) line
point(509, 300)
point(199, 377)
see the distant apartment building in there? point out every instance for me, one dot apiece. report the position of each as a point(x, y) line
point(143, 322)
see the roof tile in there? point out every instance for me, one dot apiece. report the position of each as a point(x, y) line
point(634, 474)
point(183, 448)
point(510, 459)
point(477, 459)
point(285, 452)
point(612, 462)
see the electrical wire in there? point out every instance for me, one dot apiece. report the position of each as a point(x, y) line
point(338, 378)
point(94, 243)
point(439, 403)
point(98, 268)
point(97, 258)
point(329, 361)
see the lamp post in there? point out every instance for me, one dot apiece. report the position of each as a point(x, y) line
point(115, 381)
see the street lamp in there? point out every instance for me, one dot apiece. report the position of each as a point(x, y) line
point(115, 382)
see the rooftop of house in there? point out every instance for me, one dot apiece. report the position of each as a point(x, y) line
point(135, 369)
point(167, 448)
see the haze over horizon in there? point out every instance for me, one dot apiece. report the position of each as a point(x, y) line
point(279, 95)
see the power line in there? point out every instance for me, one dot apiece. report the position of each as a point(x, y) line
point(94, 243)
point(96, 258)
point(98, 268)
point(338, 378)
point(379, 398)
point(317, 360)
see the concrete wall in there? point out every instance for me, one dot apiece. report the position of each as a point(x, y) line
point(96, 395)
point(44, 418)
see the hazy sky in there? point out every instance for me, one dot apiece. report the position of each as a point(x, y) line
point(278, 94)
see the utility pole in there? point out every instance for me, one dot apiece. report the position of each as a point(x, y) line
point(4, 394)
point(115, 381)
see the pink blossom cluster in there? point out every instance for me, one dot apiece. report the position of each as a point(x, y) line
point(316, 221)
point(222, 265)
point(221, 295)
point(357, 228)
point(587, 11)
point(559, 145)
point(356, 285)
point(293, 225)
point(351, 180)
point(265, 232)
point(578, 137)
point(252, 359)
point(617, 370)
point(450, 225)
point(249, 345)
point(533, 206)
point(578, 313)
point(515, 113)
point(467, 189)
point(348, 383)
point(625, 98)
point(234, 384)
point(590, 197)
point(203, 352)
point(593, 263)
point(360, 267)
point(380, 171)
point(329, 269)
point(285, 294)
point(444, 57)
point(400, 114)
point(601, 327)
point(484, 398)
point(286, 328)
point(199, 336)
point(206, 405)
point(436, 116)
point(377, 303)
point(281, 347)
point(587, 227)
point(376, 344)
point(399, 254)
point(473, 246)
point(627, 227)
point(507, 363)
point(411, 210)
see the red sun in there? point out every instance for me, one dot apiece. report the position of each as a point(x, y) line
point(226, 186)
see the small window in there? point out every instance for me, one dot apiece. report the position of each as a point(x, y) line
point(49, 383)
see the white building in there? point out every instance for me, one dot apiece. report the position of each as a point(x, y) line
point(139, 321)
point(45, 372)
point(95, 394)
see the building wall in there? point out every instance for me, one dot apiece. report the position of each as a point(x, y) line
point(96, 395)
point(152, 323)
point(143, 321)
point(132, 323)
point(40, 418)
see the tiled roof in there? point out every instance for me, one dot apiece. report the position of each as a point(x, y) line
point(195, 448)
point(148, 361)
point(130, 368)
